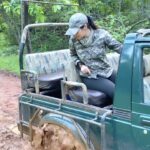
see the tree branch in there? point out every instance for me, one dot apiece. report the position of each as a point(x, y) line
point(137, 24)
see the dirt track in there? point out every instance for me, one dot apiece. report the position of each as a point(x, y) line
point(9, 92)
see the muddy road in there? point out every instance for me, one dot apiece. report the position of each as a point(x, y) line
point(9, 135)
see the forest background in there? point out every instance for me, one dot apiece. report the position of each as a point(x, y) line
point(119, 17)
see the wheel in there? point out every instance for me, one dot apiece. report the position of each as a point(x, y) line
point(55, 137)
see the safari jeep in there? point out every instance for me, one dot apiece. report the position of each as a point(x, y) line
point(58, 112)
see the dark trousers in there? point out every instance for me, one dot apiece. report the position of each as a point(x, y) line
point(105, 85)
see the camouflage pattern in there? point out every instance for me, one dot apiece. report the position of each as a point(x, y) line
point(92, 52)
point(47, 62)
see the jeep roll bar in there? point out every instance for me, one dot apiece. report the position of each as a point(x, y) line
point(25, 34)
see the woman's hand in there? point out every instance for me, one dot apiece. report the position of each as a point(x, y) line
point(85, 69)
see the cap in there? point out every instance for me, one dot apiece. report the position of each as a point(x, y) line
point(75, 22)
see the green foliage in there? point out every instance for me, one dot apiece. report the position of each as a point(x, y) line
point(115, 25)
point(116, 16)
point(11, 21)
point(11, 7)
point(37, 13)
point(52, 39)
point(6, 48)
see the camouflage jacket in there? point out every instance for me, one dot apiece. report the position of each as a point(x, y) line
point(91, 51)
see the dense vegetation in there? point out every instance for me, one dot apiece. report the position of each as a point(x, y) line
point(117, 16)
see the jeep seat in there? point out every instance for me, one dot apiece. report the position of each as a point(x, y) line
point(47, 67)
point(96, 98)
point(50, 81)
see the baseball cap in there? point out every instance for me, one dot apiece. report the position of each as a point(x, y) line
point(76, 21)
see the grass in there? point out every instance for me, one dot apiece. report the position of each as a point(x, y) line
point(9, 63)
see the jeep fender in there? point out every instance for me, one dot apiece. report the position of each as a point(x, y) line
point(68, 124)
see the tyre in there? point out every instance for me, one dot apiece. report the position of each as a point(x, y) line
point(55, 137)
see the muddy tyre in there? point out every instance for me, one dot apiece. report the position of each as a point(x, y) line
point(55, 137)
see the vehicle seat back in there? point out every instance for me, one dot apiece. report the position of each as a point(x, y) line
point(49, 67)
point(47, 62)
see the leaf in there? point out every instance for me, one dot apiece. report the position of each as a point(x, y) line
point(56, 8)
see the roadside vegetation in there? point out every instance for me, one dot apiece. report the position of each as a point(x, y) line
point(119, 17)
point(8, 56)
point(9, 63)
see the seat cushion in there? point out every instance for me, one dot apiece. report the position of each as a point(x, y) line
point(49, 81)
point(95, 98)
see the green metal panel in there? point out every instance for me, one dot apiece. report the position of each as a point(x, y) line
point(119, 136)
point(120, 129)
point(122, 99)
point(137, 81)
point(140, 111)
point(134, 133)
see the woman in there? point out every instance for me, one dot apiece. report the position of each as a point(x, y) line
point(88, 46)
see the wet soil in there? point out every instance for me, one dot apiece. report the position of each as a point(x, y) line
point(9, 135)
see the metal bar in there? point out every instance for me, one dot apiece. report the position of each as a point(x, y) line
point(103, 131)
point(63, 90)
point(24, 20)
point(24, 123)
point(87, 130)
point(20, 121)
point(61, 113)
point(24, 14)
point(41, 98)
point(24, 37)
point(32, 1)
point(21, 16)
point(25, 31)
point(77, 84)
point(30, 123)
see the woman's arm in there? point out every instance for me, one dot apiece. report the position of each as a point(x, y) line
point(74, 55)
point(78, 63)
point(112, 43)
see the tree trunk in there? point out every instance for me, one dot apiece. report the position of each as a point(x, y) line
point(81, 2)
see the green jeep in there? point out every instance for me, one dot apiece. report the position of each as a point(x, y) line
point(56, 108)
